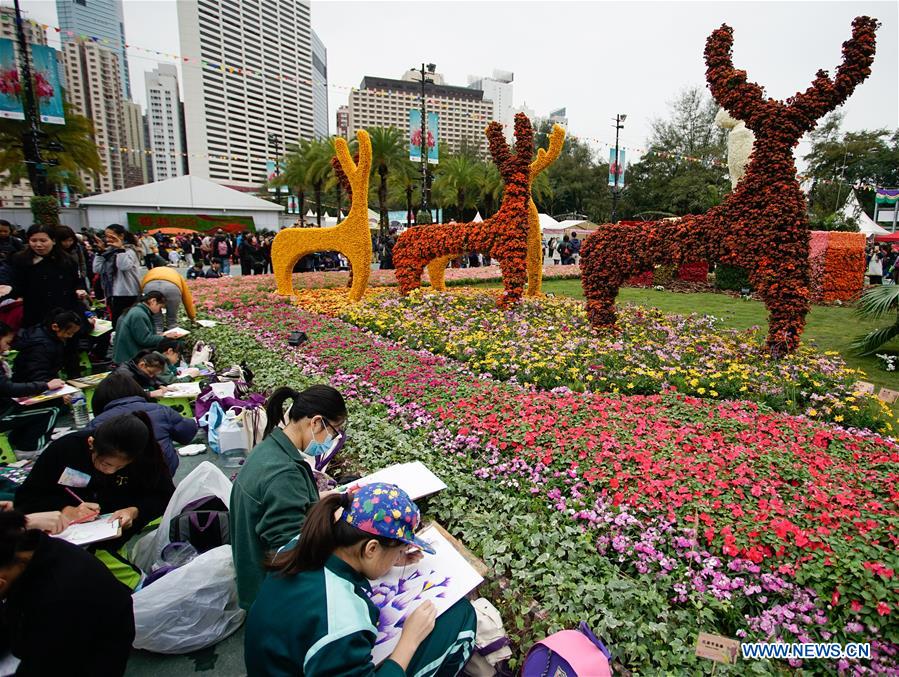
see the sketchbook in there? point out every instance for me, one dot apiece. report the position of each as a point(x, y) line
point(101, 327)
point(191, 389)
point(443, 578)
point(414, 478)
point(91, 381)
point(101, 529)
point(46, 395)
point(177, 332)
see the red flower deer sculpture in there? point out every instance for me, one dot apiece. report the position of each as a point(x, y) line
point(762, 225)
point(504, 236)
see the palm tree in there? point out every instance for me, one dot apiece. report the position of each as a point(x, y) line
point(491, 189)
point(296, 163)
point(458, 182)
point(876, 303)
point(388, 151)
point(319, 171)
point(79, 152)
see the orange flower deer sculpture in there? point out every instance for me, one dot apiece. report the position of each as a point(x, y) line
point(437, 267)
point(504, 236)
point(762, 225)
point(350, 237)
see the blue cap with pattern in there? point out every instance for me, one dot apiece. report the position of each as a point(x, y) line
point(385, 510)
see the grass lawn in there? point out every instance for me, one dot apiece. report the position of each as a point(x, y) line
point(827, 328)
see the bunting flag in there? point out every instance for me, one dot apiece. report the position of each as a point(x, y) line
point(886, 196)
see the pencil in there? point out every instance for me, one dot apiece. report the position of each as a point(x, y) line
point(74, 495)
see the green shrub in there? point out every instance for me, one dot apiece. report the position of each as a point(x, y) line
point(731, 277)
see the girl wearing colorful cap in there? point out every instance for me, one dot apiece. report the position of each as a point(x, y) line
point(313, 614)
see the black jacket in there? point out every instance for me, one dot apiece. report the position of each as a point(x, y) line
point(68, 615)
point(144, 381)
point(9, 388)
point(41, 355)
point(44, 286)
point(145, 485)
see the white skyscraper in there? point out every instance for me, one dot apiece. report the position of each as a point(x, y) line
point(255, 84)
point(102, 22)
point(498, 89)
point(164, 122)
point(319, 88)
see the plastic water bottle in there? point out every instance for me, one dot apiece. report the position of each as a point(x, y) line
point(79, 410)
point(232, 442)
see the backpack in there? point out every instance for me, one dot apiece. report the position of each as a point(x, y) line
point(565, 251)
point(223, 248)
point(569, 653)
point(491, 646)
point(203, 523)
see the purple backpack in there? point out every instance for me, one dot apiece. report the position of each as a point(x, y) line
point(569, 653)
point(203, 523)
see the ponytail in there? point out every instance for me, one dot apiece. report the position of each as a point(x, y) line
point(323, 532)
point(317, 400)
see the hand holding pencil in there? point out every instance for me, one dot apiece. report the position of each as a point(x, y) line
point(83, 512)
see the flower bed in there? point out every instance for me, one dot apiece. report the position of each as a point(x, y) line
point(549, 343)
point(652, 517)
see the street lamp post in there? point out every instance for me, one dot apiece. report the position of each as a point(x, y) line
point(616, 170)
point(37, 172)
point(424, 140)
point(275, 140)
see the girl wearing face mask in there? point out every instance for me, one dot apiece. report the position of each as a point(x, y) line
point(314, 615)
point(44, 277)
point(117, 469)
point(63, 612)
point(275, 487)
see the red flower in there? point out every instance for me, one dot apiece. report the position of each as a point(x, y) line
point(883, 608)
point(855, 605)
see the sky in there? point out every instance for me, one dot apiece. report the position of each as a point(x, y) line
point(594, 58)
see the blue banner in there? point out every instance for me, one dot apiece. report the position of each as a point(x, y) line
point(10, 85)
point(271, 175)
point(616, 169)
point(47, 91)
point(415, 136)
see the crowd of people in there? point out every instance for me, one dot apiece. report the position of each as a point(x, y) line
point(883, 263)
point(290, 542)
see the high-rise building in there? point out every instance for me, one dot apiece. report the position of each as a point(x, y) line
point(255, 84)
point(135, 155)
point(343, 122)
point(164, 122)
point(146, 123)
point(498, 88)
point(101, 22)
point(92, 74)
point(382, 102)
point(18, 194)
point(319, 88)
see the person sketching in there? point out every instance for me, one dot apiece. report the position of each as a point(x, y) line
point(275, 487)
point(64, 613)
point(314, 615)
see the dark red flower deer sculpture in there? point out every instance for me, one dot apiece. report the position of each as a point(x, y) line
point(504, 236)
point(762, 225)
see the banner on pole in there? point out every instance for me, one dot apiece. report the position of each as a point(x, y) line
point(616, 169)
point(415, 141)
point(271, 175)
point(47, 91)
point(10, 86)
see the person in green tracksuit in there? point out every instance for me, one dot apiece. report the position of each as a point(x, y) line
point(313, 615)
point(275, 487)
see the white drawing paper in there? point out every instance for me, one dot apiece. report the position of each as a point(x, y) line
point(101, 529)
point(443, 578)
point(191, 389)
point(414, 478)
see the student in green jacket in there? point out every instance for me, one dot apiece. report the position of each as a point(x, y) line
point(314, 615)
point(275, 487)
point(135, 331)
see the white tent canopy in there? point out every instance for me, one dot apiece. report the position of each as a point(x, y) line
point(547, 222)
point(183, 192)
point(866, 225)
point(181, 195)
point(477, 218)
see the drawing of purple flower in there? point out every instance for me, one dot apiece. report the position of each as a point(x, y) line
point(395, 601)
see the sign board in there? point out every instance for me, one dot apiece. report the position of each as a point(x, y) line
point(415, 136)
point(10, 85)
point(616, 168)
point(47, 91)
point(888, 396)
point(863, 388)
point(202, 223)
point(717, 648)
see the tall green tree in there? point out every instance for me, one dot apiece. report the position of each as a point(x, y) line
point(838, 161)
point(307, 168)
point(388, 154)
point(79, 151)
point(685, 168)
